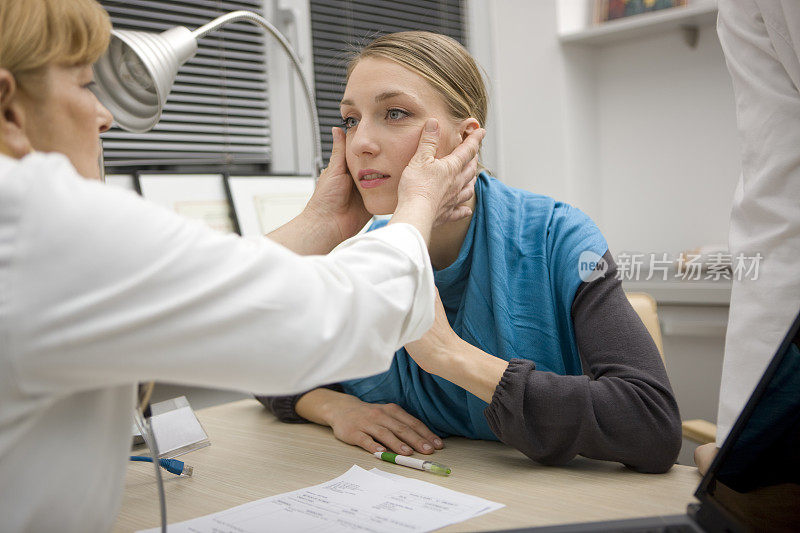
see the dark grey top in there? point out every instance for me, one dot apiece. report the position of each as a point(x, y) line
point(621, 409)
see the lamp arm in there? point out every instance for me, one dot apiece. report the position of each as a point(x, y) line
point(258, 20)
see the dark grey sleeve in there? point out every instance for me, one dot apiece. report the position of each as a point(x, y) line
point(622, 409)
point(283, 407)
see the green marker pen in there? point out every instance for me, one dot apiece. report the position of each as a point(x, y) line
point(419, 464)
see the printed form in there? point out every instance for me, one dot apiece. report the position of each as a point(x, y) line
point(358, 500)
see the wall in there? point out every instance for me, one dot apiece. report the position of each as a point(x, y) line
point(667, 143)
point(640, 134)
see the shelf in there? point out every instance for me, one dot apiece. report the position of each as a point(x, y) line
point(644, 24)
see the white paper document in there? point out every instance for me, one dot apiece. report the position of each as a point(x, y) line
point(357, 500)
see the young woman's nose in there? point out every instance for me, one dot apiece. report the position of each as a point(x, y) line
point(364, 139)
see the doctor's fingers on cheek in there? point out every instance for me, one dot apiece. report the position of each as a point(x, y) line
point(470, 174)
point(337, 163)
point(467, 150)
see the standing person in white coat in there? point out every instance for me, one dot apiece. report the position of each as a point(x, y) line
point(761, 41)
point(100, 290)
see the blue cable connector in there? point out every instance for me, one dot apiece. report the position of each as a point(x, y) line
point(170, 465)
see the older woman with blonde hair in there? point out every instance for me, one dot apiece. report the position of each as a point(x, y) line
point(528, 346)
point(100, 290)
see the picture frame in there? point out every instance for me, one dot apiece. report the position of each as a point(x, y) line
point(122, 181)
point(263, 203)
point(608, 10)
point(197, 196)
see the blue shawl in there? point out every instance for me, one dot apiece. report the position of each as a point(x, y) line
point(509, 293)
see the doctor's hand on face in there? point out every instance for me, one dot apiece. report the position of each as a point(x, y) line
point(444, 183)
point(336, 200)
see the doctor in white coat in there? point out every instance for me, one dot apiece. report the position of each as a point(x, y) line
point(100, 289)
point(761, 41)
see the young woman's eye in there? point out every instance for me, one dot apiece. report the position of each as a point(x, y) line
point(396, 114)
point(349, 122)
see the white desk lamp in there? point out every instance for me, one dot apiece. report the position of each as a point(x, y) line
point(135, 75)
point(133, 79)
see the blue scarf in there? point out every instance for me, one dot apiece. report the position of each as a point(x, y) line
point(509, 293)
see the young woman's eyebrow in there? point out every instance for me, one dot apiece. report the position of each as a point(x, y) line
point(380, 97)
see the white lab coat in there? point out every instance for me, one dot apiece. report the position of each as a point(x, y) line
point(100, 289)
point(761, 41)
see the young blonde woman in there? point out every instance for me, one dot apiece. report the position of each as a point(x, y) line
point(522, 349)
point(100, 289)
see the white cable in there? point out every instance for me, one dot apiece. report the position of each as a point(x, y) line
point(146, 430)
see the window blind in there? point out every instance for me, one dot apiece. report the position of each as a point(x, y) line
point(217, 112)
point(340, 26)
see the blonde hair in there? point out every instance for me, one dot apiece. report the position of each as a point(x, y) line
point(37, 33)
point(442, 61)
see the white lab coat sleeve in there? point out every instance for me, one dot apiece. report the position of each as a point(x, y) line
point(110, 289)
point(761, 40)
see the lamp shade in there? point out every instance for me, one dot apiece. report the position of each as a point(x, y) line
point(135, 75)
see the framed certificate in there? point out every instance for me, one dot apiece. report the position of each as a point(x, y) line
point(123, 181)
point(262, 204)
point(198, 196)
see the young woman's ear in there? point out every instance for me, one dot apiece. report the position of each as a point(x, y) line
point(467, 126)
point(13, 140)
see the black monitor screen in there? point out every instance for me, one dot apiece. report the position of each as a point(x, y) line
point(757, 478)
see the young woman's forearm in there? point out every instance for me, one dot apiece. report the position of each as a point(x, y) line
point(316, 405)
point(474, 370)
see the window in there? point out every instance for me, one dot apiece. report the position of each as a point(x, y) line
point(338, 26)
point(217, 113)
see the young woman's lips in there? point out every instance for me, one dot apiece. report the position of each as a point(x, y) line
point(369, 178)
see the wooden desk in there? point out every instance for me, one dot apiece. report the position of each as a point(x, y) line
point(253, 456)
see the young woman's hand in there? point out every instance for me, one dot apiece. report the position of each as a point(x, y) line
point(373, 426)
point(336, 200)
point(376, 427)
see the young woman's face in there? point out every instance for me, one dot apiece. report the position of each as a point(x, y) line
point(384, 109)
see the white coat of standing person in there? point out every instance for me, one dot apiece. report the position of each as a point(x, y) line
point(761, 41)
point(100, 290)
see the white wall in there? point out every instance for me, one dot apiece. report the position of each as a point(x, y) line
point(667, 141)
point(640, 134)
point(527, 94)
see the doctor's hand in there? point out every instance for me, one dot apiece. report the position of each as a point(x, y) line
point(336, 200)
point(704, 455)
point(431, 191)
point(373, 426)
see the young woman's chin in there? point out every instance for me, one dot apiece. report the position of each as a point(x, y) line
point(380, 206)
